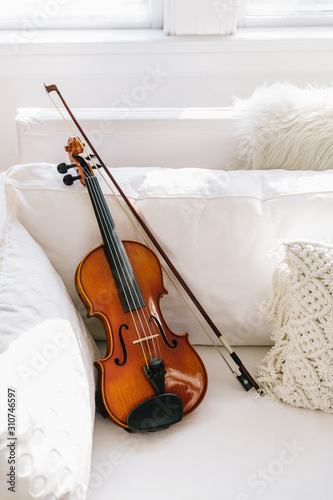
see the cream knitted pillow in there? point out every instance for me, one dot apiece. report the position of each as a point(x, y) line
point(298, 369)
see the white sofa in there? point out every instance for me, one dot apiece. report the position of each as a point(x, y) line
point(221, 227)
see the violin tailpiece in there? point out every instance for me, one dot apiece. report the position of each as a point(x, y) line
point(155, 373)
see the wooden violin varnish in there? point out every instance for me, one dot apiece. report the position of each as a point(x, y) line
point(150, 377)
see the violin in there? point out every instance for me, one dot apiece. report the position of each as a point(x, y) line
point(150, 377)
point(241, 373)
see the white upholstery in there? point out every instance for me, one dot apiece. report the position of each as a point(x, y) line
point(218, 227)
point(170, 138)
point(234, 446)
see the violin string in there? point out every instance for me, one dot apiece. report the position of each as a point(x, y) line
point(124, 265)
point(143, 235)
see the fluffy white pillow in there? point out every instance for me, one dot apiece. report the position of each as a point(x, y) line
point(283, 126)
point(47, 356)
point(219, 228)
point(299, 368)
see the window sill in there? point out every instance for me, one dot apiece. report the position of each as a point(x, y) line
point(155, 41)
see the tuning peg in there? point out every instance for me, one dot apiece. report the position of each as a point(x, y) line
point(69, 179)
point(63, 168)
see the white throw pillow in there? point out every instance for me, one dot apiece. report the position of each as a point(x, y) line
point(283, 126)
point(32, 291)
point(46, 422)
point(219, 229)
point(298, 369)
point(47, 356)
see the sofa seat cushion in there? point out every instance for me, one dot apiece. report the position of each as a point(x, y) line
point(234, 447)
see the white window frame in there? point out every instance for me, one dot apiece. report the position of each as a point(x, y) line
point(44, 19)
point(156, 13)
point(223, 17)
point(288, 19)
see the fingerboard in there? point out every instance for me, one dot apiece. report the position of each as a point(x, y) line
point(127, 286)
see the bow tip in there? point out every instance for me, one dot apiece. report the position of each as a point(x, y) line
point(51, 88)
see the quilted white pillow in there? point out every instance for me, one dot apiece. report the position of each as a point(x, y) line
point(219, 228)
point(31, 291)
point(46, 422)
point(47, 356)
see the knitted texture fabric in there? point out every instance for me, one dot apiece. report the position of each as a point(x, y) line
point(298, 369)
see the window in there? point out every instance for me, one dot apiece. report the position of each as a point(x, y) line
point(286, 13)
point(48, 14)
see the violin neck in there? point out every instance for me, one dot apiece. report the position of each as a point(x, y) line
point(128, 288)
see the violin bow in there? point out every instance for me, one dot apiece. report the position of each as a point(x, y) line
point(244, 377)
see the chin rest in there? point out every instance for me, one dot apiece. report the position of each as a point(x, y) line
point(158, 412)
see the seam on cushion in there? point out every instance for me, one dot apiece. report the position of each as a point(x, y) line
point(233, 196)
point(125, 134)
point(38, 188)
point(281, 195)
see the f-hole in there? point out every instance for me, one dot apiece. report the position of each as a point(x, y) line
point(123, 346)
point(174, 342)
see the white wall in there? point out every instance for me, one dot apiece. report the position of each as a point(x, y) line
point(114, 69)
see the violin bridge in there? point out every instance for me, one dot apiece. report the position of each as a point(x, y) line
point(146, 338)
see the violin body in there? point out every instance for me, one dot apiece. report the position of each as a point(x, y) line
point(136, 337)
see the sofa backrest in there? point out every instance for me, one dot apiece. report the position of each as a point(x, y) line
point(172, 138)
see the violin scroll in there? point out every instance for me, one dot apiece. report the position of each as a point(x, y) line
point(74, 149)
